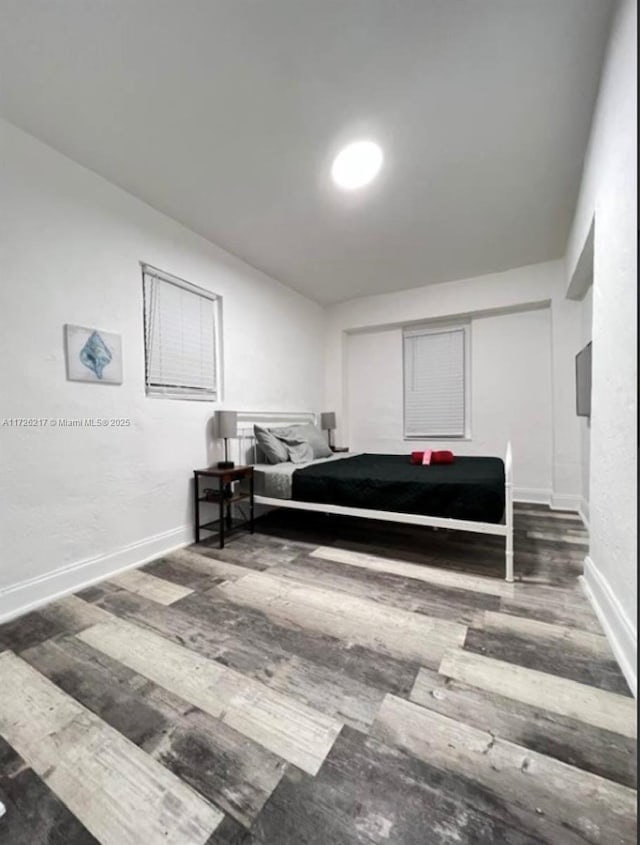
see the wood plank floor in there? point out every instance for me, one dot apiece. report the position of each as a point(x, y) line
point(325, 681)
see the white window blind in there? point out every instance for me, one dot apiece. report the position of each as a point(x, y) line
point(181, 328)
point(434, 382)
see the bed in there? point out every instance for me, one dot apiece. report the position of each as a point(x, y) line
point(473, 494)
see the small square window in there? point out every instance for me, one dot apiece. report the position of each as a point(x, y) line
point(181, 337)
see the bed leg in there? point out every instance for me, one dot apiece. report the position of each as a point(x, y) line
point(508, 550)
point(508, 513)
point(508, 565)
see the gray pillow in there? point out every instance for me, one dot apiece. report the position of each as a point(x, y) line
point(271, 447)
point(308, 433)
point(318, 441)
point(299, 450)
point(299, 453)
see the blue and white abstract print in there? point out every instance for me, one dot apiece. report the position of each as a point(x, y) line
point(93, 355)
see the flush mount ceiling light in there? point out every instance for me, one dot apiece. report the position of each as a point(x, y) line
point(356, 165)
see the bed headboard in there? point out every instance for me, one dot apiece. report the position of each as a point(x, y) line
point(246, 442)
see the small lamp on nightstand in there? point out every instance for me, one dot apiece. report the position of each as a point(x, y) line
point(328, 424)
point(226, 427)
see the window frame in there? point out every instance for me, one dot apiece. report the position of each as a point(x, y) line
point(186, 393)
point(440, 328)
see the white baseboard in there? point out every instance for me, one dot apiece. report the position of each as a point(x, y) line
point(28, 595)
point(565, 502)
point(583, 510)
point(622, 636)
point(556, 501)
point(531, 495)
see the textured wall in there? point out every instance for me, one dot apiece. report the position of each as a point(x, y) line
point(609, 191)
point(71, 243)
point(585, 423)
point(511, 395)
point(512, 290)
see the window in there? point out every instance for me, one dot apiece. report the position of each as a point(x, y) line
point(181, 337)
point(436, 382)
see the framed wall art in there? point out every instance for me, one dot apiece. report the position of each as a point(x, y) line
point(93, 355)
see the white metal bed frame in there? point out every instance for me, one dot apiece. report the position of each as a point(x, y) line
point(503, 529)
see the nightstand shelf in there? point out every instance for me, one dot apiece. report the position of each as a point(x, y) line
point(224, 497)
point(214, 525)
point(215, 498)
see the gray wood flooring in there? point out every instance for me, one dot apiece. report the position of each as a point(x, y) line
point(325, 681)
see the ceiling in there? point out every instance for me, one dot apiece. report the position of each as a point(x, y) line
point(226, 114)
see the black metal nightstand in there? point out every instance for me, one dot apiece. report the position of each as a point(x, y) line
point(225, 496)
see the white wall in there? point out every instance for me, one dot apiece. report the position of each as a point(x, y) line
point(81, 502)
point(488, 296)
point(511, 395)
point(609, 191)
point(585, 422)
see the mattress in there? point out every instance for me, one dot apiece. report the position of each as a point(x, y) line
point(276, 480)
point(471, 488)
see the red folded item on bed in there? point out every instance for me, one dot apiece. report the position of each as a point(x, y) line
point(443, 457)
